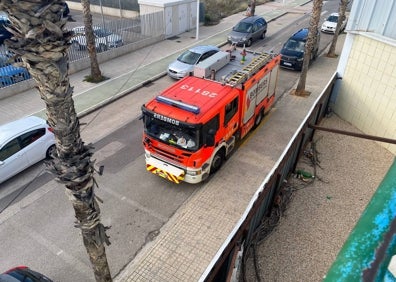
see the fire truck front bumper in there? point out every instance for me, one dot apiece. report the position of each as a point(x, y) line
point(173, 173)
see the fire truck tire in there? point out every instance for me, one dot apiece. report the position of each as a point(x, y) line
point(259, 118)
point(217, 161)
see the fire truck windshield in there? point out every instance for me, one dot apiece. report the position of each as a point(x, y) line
point(176, 135)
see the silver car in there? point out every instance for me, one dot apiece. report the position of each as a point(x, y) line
point(104, 39)
point(184, 64)
point(23, 143)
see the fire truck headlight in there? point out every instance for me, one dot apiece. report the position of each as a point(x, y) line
point(194, 172)
point(147, 154)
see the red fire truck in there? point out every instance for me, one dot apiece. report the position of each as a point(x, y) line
point(191, 127)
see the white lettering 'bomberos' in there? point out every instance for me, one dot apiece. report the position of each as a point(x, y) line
point(198, 91)
point(166, 119)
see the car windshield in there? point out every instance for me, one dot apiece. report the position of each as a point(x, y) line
point(243, 27)
point(101, 32)
point(332, 19)
point(294, 45)
point(189, 57)
point(175, 135)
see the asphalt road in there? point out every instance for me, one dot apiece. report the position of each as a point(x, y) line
point(37, 227)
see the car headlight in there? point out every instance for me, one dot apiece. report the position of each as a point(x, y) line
point(300, 59)
point(244, 38)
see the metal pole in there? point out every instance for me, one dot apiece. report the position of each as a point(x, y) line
point(197, 33)
point(103, 21)
point(119, 5)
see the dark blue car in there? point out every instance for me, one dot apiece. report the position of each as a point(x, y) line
point(292, 53)
point(4, 33)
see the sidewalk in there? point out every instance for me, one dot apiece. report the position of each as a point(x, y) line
point(132, 71)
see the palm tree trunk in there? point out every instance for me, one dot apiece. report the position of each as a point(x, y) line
point(96, 75)
point(42, 43)
point(341, 18)
point(309, 45)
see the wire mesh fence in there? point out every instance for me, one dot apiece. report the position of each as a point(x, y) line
point(109, 34)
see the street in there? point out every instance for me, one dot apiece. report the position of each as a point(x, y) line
point(136, 203)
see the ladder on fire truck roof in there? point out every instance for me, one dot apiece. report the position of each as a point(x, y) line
point(251, 68)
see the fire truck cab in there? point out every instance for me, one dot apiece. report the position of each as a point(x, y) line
point(191, 127)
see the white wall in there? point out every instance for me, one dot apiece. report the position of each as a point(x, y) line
point(367, 93)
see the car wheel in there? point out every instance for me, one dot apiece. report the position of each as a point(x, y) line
point(51, 151)
point(217, 161)
point(249, 43)
point(262, 35)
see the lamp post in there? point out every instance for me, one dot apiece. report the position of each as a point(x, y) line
point(197, 31)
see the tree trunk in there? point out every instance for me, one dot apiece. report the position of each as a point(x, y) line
point(309, 45)
point(253, 8)
point(42, 42)
point(96, 75)
point(341, 18)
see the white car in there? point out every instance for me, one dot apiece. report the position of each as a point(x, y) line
point(329, 26)
point(104, 39)
point(23, 143)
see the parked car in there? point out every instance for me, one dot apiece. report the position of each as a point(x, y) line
point(4, 33)
point(23, 143)
point(104, 39)
point(184, 64)
point(10, 74)
point(292, 53)
point(248, 30)
point(66, 10)
point(23, 273)
point(330, 24)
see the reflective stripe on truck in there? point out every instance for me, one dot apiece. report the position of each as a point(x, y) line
point(165, 170)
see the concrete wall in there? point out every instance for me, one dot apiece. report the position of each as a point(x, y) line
point(367, 92)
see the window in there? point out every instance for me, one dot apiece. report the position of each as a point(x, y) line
point(9, 149)
point(28, 138)
point(230, 110)
point(209, 129)
point(207, 55)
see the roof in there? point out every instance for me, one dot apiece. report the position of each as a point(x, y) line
point(202, 48)
point(301, 34)
point(11, 129)
point(251, 19)
point(204, 95)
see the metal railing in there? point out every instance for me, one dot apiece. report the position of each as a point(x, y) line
point(126, 31)
point(243, 237)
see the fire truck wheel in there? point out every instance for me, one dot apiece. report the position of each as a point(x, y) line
point(258, 119)
point(217, 161)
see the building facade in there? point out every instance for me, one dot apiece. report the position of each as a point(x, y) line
point(366, 91)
